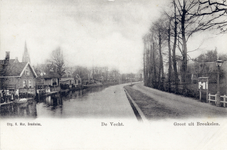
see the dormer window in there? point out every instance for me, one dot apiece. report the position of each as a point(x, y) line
point(27, 73)
point(30, 83)
point(24, 83)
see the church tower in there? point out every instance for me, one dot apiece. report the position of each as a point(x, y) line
point(26, 57)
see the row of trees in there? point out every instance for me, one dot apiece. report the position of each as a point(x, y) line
point(166, 41)
point(56, 64)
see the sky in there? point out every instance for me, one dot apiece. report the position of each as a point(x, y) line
point(90, 33)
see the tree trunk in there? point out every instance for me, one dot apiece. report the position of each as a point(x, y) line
point(151, 66)
point(184, 48)
point(174, 51)
point(154, 67)
point(161, 73)
point(170, 61)
point(144, 64)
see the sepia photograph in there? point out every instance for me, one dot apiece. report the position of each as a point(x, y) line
point(113, 74)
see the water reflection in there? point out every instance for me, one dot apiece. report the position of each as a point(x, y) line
point(47, 106)
point(27, 110)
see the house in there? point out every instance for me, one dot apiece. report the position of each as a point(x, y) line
point(17, 77)
point(68, 81)
point(51, 79)
point(204, 69)
point(78, 80)
point(49, 82)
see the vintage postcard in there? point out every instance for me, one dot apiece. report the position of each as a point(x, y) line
point(113, 74)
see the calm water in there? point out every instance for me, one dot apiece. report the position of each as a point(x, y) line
point(50, 106)
point(93, 102)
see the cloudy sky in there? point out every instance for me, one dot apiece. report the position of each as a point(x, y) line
point(99, 32)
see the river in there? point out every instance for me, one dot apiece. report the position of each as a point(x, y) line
point(97, 102)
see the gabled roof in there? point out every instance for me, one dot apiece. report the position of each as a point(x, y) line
point(50, 75)
point(15, 69)
point(10, 61)
point(66, 79)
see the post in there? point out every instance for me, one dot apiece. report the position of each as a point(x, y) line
point(209, 97)
point(207, 90)
point(218, 89)
point(224, 100)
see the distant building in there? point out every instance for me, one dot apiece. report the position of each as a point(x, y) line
point(51, 79)
point(48, 82)
point(69, 81)
point(26, 57)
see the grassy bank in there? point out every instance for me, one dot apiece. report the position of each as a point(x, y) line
point(151, 108)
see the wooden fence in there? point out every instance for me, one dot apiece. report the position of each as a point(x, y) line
point(212, 98)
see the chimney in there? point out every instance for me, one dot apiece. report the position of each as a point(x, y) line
point(16, 59)
point(6, 61)
point(7, 55)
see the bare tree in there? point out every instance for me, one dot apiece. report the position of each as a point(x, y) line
point(57, 61)
point(160, 32)
point(174, 49)
point(195, 16)
point(83, 72)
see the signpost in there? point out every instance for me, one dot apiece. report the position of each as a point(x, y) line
point(203, 86)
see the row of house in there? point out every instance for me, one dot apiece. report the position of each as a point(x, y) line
point(19, 78)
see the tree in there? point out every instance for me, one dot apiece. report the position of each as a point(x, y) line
point(174, 49)
point(223, 57)
point(159, 31)
point(41, 69)
point(57, 61)
point(83, 72)
point(209, 56)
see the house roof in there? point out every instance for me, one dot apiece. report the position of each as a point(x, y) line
point(15, 68)
point(51, 75)
point(66, 79)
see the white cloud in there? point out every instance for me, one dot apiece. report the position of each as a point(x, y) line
point(89, 32)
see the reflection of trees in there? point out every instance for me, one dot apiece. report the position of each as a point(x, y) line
point(54, 100)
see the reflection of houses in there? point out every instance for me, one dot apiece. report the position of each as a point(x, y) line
point(18, 77)
point(20, 110)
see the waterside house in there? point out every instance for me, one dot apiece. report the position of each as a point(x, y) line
point(67, 80)
point(49, 82)
point(17, 78)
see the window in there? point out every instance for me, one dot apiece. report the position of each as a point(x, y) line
point(30, 83)
point(24, 83)
point(27, 73)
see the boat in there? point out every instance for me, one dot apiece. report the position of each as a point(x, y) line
point(23, 100)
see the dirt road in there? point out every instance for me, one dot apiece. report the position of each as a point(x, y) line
point(156, 104)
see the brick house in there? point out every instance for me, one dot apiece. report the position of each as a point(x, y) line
point(17, 77)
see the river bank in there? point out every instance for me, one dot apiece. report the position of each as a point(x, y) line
point(157, 104)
